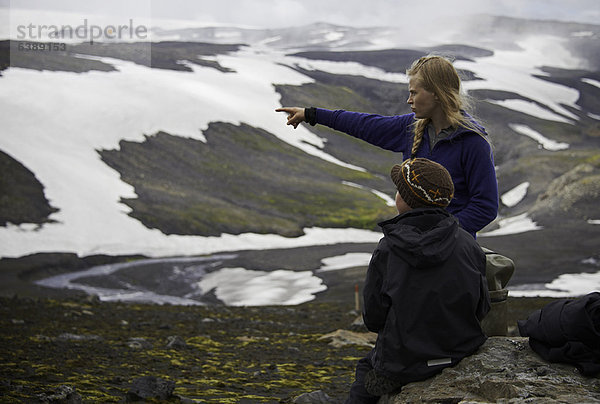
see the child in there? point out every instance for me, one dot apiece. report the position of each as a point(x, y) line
point(425, 290)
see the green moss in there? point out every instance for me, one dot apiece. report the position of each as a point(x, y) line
point(594, 158)
point(247, 355)
point(203, 342)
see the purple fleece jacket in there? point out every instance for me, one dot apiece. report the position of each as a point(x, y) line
point(465, 154)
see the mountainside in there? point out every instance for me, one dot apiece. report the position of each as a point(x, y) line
point(22, 197)
point(136, 143)
point(242, 180)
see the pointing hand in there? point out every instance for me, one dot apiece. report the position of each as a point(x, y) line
point(295, 115)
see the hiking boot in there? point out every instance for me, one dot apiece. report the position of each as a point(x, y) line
point(378, 384)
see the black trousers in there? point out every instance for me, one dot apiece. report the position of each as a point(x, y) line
point(358, 393)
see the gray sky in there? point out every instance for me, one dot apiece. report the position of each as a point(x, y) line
point(282, 13)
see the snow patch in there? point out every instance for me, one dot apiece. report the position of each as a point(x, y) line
point(349, 260)
point(270, 40)
point(243, 287)
point(347, 68)
point(530, 108)
point(334, 36)
point(582, 34)
point(515, 195)
point(591, 81)
point(512, 225)
point(544, 142)
point(566, 285)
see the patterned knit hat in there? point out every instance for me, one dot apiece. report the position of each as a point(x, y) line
point(423, 183)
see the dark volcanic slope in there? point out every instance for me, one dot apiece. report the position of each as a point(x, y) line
point(390, 60)
point(242, 180)
point(11, 56)
point(356, 93)
point(161, 55)
point(399, 60)
point(22, 198)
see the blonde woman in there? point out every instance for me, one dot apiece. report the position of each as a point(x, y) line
point(438, 129)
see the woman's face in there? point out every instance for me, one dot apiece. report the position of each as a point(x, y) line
point(422, 102)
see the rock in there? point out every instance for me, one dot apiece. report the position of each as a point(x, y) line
point(185, 400)
point(504, 369)
point(358, 325)
point(574, 194)
point(150, 387)
point(139, 343)
point(75, 337)
point(176, 342)
point(543, 370)
point(340, 338)
point(314, 397)
point(93, 299)
point(249, 339)
point(62, 394)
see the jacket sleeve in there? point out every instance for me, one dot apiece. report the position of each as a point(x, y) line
point(376, 303)
point(388, 132)
point(478, 165)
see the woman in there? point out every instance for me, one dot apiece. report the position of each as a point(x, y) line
point(438, 129)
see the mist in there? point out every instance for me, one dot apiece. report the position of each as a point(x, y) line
point(285, 13)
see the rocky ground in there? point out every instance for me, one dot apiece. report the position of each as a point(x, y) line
point(100, 351)
point(60, 343)
point(211, 354)
point(220, 354)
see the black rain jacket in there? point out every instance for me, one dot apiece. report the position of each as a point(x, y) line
point(567, 331)
point(425, 294)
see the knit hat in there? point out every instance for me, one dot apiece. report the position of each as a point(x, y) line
point(422, 183)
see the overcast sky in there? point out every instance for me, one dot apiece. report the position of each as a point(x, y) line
point(282, 13)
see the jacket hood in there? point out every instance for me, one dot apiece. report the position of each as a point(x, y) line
point(423, 237)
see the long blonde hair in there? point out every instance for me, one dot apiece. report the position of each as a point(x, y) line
point(437, 75)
